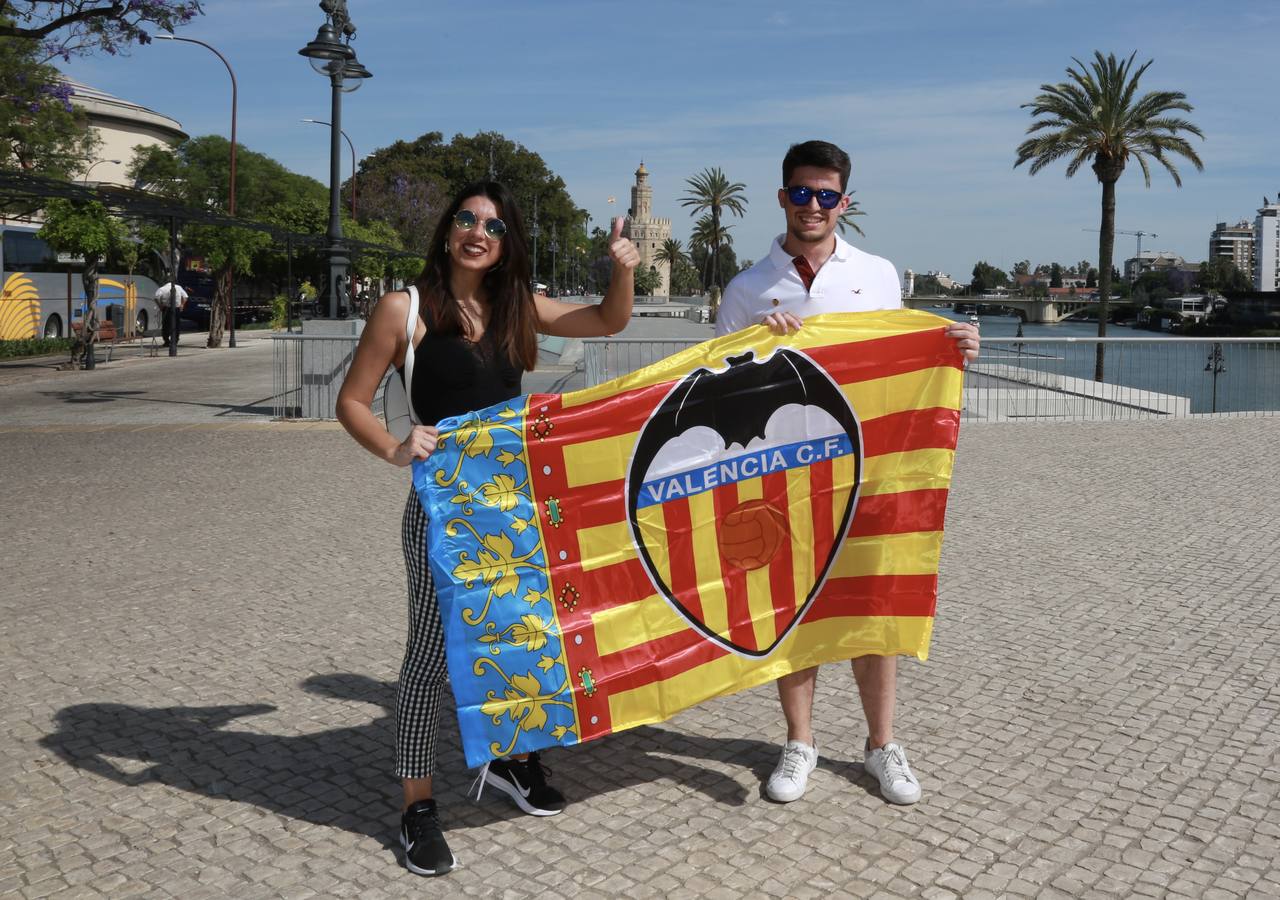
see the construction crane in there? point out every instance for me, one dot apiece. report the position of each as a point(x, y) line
point(1138, 234)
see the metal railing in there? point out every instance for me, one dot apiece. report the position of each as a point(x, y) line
point(307, 373)
point(1157, 377)
point(1051, 379)
point(608, 358)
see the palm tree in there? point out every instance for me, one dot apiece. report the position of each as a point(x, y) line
point(850, 212)
point(1097, 117)
point(671, 253)
point(711, 235)
point(711, 191)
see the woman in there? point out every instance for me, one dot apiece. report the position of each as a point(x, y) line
point(475, 336)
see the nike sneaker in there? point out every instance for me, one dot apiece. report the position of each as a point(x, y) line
point(425, 849)
point(525, 782)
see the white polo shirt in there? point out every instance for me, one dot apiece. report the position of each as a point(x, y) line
point(849, 281)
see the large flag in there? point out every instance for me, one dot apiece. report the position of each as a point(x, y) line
point(743, 509)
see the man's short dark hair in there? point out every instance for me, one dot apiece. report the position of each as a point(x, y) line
point(820, 155)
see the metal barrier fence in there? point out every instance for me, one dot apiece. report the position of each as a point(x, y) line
point(307, 373)
point(1051, 379)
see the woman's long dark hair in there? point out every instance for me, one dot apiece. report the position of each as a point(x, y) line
point(513, 319)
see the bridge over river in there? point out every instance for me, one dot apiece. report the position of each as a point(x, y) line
point(1039, 310)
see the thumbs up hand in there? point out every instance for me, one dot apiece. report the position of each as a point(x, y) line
point(621, 250)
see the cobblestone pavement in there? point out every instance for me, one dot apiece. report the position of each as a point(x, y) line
point(199, 666)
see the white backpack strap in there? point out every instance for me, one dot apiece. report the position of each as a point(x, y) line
point(411, 325)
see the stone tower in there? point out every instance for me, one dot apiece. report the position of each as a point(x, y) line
point(646, 232)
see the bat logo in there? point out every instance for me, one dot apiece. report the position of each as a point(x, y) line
point(740, 491)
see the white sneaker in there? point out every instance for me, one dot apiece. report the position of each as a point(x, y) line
point(889, 766)
point(791, 775)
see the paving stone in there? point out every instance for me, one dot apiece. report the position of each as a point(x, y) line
point(210, 712)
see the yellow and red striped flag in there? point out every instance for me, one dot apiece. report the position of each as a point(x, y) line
point(744, 509)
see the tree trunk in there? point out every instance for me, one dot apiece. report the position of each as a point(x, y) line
point(1106, 249)
point(89, 325)
point(221, 303)
point(715, 249)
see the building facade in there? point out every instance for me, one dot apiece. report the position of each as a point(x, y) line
point(1233, 242)
point(121, 126)
point(646, 232)
point(1266, 248)
point(1152, 261)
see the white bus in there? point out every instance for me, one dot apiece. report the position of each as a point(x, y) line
point(42, 293)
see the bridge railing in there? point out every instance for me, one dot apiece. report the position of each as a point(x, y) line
point(1156, 377)
point(1052, 379)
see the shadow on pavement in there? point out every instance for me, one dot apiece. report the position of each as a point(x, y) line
point(257, 408)
point(342, 777)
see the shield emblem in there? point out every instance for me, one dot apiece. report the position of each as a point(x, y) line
point(740, 491)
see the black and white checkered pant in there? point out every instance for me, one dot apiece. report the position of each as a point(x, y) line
point(423, 673)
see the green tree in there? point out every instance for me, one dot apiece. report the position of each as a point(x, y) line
point(431, 172)
point(647, 280)
point(198, 173)
point(1091, 278)
point(80, 27)
point(1096, 116)
point(1222, 274)
point(41, 132)
point(1023, 267)
point(672, 253)
point(850, 213)
point(711, 192)
point(1055, 276)
point(986, 277)
point(726, 260)
point(88, 231)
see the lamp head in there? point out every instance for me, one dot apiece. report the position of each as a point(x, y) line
point(327, 46)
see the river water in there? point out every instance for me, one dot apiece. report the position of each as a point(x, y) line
point(1248, 377)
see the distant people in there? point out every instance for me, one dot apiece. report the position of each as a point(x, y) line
point(810, 270)
point(474, 337)
point(167, 294)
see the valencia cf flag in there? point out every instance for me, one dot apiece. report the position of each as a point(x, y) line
point(744, 509)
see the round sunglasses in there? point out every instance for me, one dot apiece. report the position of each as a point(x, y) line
point(800, 194)
point(465, 220)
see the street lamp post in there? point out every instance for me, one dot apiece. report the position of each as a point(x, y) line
point(330, 55)
point(534, 231)
point(353, 161)
point(84, 179)
point(231, 191)
point(553, 257)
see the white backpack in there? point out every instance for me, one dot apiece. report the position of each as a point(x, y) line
point(397, 405)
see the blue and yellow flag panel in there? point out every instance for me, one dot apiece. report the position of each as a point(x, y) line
point(744, 509)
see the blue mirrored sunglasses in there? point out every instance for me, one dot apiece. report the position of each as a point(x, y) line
point(800, 194)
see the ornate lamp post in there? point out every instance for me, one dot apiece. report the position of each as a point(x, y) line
point(331, 54)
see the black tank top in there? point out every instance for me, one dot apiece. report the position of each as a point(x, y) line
point(452, 375)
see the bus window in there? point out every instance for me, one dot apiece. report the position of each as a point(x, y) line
point(24, 252)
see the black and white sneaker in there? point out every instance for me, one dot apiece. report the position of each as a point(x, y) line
point(425, 850)
point(525, 782)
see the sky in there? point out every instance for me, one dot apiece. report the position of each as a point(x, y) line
point(924, 96)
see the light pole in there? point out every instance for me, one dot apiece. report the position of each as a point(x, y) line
point(231, 191)
point(84, 179)
point(353, 161)
point(534, 231)
point(330, 56)
point(553, 259)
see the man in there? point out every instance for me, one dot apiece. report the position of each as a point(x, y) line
point(810, 270)
point(167, 296)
